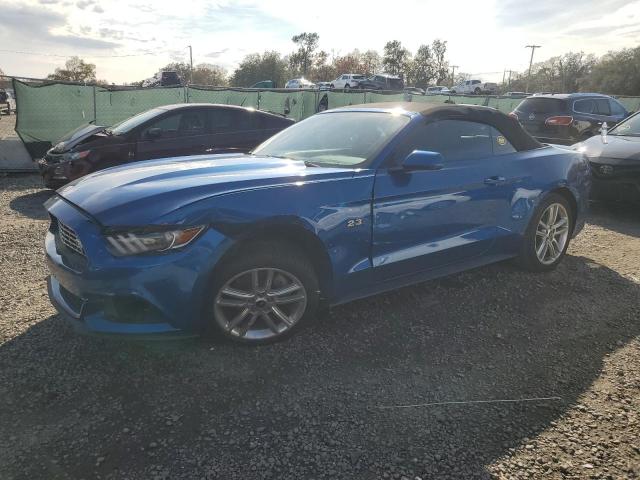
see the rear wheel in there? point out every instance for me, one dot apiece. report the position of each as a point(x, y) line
point(264, 294)
point(477, 91)
point(347, 87)
point(547, 237)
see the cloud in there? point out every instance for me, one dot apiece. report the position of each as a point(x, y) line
point(82, 4)
point(33, 24)
point(98, 9)
point(216, 54)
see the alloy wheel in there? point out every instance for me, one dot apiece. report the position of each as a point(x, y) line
point(552, 233)
point(260, 303)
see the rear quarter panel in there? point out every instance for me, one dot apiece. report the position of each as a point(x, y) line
point(545, 170)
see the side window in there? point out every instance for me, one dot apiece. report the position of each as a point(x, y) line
point(192, 123)
point(223, 120)
point(456, 140)
point(475, 82)
point(169, 126)
point(616, 108)
point(584, 106)
point(602, 106)
point(501, 146)
point(344, 77)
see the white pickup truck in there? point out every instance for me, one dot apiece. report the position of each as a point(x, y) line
point(475, 87)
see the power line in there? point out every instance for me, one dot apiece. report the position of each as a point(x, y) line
point(88, 56)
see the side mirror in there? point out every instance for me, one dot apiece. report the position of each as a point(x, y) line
point(423, 160)
point(154, 133)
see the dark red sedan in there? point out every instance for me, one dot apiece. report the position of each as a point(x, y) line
point(167, 131)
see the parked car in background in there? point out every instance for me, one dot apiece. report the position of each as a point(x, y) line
point(516, 94)
point(300, 83)
point(475, 87)
point(414, 90)
point(264, 84)
point(163, 79)
point(323, 86)
point(382, 81)
point(614, 157)
point(167, 131)
point(437, 90)
point(346, 204)
point(347, 81)
point(568, 118)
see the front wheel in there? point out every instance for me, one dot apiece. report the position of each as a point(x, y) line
point(264, 294)
point(547, 237)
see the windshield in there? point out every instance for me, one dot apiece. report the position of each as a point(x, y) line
point(130, 123)
point(629, 127)
point(344, 139)
point(358, 77)
point(542, 105)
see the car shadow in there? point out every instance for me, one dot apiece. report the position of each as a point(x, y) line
point(327, 403)
point(621, 218)
point(31, 204)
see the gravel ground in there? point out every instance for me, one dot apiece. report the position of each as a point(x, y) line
point(83, 407)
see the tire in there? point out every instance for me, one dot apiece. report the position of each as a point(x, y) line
point(289, 268)
point(528, 257)
point(453, 92)
point(332, 86)
point(347, 87)
point(477, 91)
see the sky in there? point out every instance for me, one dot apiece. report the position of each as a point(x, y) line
point(130, 40)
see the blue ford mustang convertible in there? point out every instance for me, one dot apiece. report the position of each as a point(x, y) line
point(348, 203)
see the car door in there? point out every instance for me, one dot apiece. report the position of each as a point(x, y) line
point(426, 219)
point(174, 134)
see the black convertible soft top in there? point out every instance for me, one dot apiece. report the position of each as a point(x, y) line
point(507, 125)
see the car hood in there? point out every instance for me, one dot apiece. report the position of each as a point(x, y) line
point(76, 136)
point(151, 190)
point(617, 147)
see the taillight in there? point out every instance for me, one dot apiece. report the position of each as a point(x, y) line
point(562, 120)
point(514, 115)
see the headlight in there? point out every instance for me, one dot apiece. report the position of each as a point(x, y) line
point(134, 243)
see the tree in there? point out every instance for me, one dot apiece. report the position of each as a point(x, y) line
point(422, 69)
point(208, 74)
point(371, 62)
point(255, 68)
point(323, 70)
point(617, 73)
point(302, 60)
point(76, 70)
point(396, 58)
point(349, 63)
point(440, 63)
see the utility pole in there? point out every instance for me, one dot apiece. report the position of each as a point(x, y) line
point(533, 49)
point(191, 64)
point(453, 73)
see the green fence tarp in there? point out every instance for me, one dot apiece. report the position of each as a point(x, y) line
point(113, 106)
point(47, 112)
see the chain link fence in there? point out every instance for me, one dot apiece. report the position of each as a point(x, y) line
point(47, 110)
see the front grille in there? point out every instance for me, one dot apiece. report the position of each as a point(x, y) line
point(69, 238)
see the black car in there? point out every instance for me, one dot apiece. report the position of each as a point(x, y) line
point(615, 162)
point(167, 131)
point(382, 82)
point(568, 118)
